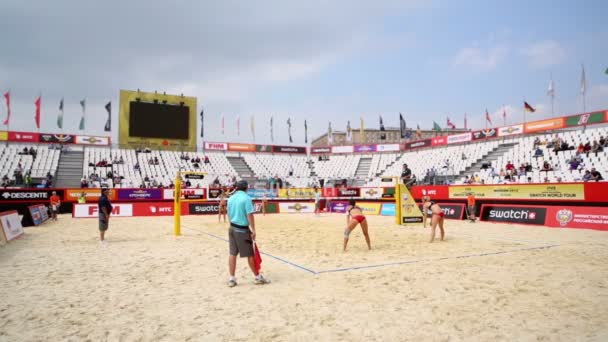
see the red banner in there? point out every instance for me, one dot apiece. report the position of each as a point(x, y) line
point(596, 192)
point(438, 141)
point(23, 136)
point(153, 209)
point(577, 217)
point(437, 192)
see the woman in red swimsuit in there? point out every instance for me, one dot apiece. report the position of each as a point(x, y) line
point(354, 217)
point(436, 218)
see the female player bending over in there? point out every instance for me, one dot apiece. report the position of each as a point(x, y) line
point(353, 218)
point(436, 217)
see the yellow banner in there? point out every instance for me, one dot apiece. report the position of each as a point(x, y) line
point(369, 208)
point(521, 192)
point(3, 135)
point(409, 211)
point(297, 193)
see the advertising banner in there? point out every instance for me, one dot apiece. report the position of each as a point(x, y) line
point(214, 146)
point(329, 192)
point(459, 138)
point(511, 130)
point(11, 225)
point(91, 210)
point(320, 150)
point(410, 213)
point(370, 208)
point(569, 192)
point(342, 149)
point(348, 192)
point(437, 192)
point(418, 144)
point(57, 138)
point(213, 193)
point(23, 136)
point(289, 149)
point(596, 192)
point(388, 209)
point(263, 148)
point(365, 148)
point(387, 148)
point(485, 134)
point(168, 194)
point(35, 214)
point(585, 119)
point(91, 140)
point(297, 193)
point(338, 206)
point(452, 211)
point(261, 193)
point(388, 192)
point(91, 195)
point(140, 194)
point(204, 208)
point(3, 135)
point(522, 214)
point(241, 147)
point(577, 217)
point(153, 209)
point(271, 207)
point(296, 207)
point(371, 192)
point(439, 141)
point(29, 195)
point(544, 125)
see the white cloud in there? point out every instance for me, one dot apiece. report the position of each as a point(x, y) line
point(481, 59)
point(544, 54)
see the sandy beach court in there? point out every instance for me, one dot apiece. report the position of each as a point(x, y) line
point(485, 282)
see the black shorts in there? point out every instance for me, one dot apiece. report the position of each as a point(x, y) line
point(239, 241)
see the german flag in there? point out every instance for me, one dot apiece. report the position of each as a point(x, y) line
point(528, 108)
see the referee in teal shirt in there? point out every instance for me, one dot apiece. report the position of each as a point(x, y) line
point(241, 232)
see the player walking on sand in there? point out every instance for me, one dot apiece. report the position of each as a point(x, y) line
point(355, 217)
point(437, 216)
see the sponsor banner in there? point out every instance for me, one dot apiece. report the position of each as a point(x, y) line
point(388, 192)
point(388, 209)
point(297, 193)
point(3, 135)
point(289, 149)
point(387, 148)
point(370, 208)
point(169, 194)
point(418, 144)
point(452, 211)
point(216, 146)
point(91, 210)
point(371, 192)
point(11, 225)
point(348, 192)
point(57, 138)
point(320, 150)
point(271, 207)
point(438, 141)
point(568, 192)
point(459, 138)
point(342, 149)
point(338, 206)
point(153, 209)
point(577, 217)
point(329, 192)
point(437, 192)
point(485, 134)
point(260, 193)
point(263, 148)
point(596, 191)
point(511, 130)
point(140, 194)
point(204, 208)
point(23, 136)
point(241, 147)
point(296, 207)
point(213, 193)
point(365, 148)
point(35, 214)
point(30, 195)
point(92, 195)
point(523, 214)
point(544, 125)
point(408, 209)
point(91, 140)
point(585, 119)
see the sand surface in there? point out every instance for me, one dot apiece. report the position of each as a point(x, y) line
point(487, 282)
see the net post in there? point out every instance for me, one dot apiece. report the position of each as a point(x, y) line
point(177, 208)
point(397, 202)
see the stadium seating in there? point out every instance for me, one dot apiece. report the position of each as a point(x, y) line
point(44, 161)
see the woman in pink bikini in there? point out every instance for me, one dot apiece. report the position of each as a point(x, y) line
point(354, 217)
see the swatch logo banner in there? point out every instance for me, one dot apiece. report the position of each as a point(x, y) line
point(514, 214)
point(511, 130)
point(419, 144)
point(288, 149)
point(204, 208)
point(354, 192)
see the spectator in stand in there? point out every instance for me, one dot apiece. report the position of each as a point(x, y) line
point(406, 174)
point(546, 180)
point(580, 149)
point(291, 170)
point(509, 166)
point(216, 181)
point(151, 161)
point(522, 169)
point(547, 166)
point(538, 152)
point(5, 181)
point(155, 182)
point(587, 147)
point(32, 152)
point(477, 179)
point(596, 147)
point(536, 142)
point(121, 160)
point(136, 166)
point(28, 179)
point(280, 182)
point(84, 183)
point(146, 179)
point(502, 173)
point(156, 162)
point(528, 168)
point(596, 175)
point(603, 141)
point(147, 150)
point(574, 164)
point(188, 183)
point(198, 159)
point(271, 183)
point(467, 180)
point(206, 160)
point(587, 176)
point(463, 156)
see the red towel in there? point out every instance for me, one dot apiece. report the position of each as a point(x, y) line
point(257, 257)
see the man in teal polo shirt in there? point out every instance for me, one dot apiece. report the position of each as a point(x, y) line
point(241, 233)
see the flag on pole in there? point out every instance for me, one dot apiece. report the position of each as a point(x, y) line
point(382, 130)
point(436, 127)
point(551, 89)
point(450, 124)
point(418, 132)
point(349, 132)
point(108, 126)
point(528, 108)
point(488, 118)
point(7, 97)
point(289, 129)
point(222, 124)
point(504, 115)
point(305, 132)
point(83, 104)
point(271, 129)
point(606, 72)
point(238, 125)
point(583, 81)
point(361, 130)
point(465, 121)
point(330, 136)
point(402, 126)
point(202, 121)
point(252, 124)
point(60, 115)
point(38, 104)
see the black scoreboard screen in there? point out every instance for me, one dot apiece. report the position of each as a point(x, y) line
point(156, 120)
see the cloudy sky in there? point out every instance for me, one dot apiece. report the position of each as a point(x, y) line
point(316, 60)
